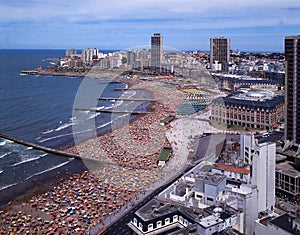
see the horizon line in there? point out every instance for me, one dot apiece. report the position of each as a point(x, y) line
point(115, 50)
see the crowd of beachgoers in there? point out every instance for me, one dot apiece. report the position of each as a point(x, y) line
point(129, 166)
point(70, 207)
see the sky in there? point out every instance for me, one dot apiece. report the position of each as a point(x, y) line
point(255, 25)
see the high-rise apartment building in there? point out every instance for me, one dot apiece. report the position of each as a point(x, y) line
point(261, 157)
point(219, 52)
point(70, 52)
point(292, 90)
point(156, 52)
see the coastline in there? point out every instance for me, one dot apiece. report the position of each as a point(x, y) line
point(124, 170)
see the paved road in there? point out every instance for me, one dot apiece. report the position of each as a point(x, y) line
point(120, 226)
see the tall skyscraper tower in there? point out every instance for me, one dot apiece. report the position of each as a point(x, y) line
point(262, 160)
point(219, 51)
point(156, 52)
point(292, 90)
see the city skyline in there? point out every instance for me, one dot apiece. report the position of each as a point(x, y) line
point(251, 26)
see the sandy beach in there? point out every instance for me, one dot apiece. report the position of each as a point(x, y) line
point(129, 166)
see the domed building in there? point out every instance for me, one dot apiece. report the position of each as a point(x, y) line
point(261, 109)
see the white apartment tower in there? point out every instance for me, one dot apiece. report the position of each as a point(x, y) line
point(262, 159)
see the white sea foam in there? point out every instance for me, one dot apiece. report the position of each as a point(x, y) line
point(29, 160)
point(64, 126)
point(4, 142)
point(124, 115)
point(8, 186)
point(119, 103)
point(50, 169)
point(104, 125)
point(5, 154)
point(99, 108)
point(29, 148)
point(47, 132)
point(95, 115)
point(54, 137)
point(86, 111)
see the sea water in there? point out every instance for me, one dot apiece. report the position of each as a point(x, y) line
point(41, 109)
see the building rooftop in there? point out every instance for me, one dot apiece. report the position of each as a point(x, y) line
point(210, 221)
point(180, 188)
point(285, 222)
point(269, 137)
point(155, 208)
point(265, 221)
point(230, 231)
point(211, 178)
point(158, 207)
point(232, 168)
point(267, 104)
point(206, 217)
point(248, 81)
point(288, 167)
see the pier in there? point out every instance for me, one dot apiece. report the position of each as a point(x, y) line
point(96, 162)
point(127, 99)
point(29, 72)
point(127, 89)
point(111, 111)
point(110, 82)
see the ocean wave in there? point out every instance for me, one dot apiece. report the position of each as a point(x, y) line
point(93, 116)
point(64, 126)
point(5, 154)
point(86, 111)
point(29, 160)
point(119, 103)
point(4, 142)
point(108, 107)
point(8, 186)
point(50, 169)
point(47, 132)
point(126, 114)
point(104, 125)
point(54, 137)
point(99, 108)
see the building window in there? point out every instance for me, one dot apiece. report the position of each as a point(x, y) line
point(180, 219)
point(158, 224)
point(186, 222)
point(167, 221)
point(150, 227)
point(175, 218)
point(210, 199)
point(135, 221)
point(140, 226)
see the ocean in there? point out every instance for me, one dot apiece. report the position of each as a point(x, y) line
point(43, 110)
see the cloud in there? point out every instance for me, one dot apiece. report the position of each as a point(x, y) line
point(85, 21)
point(76, 10)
